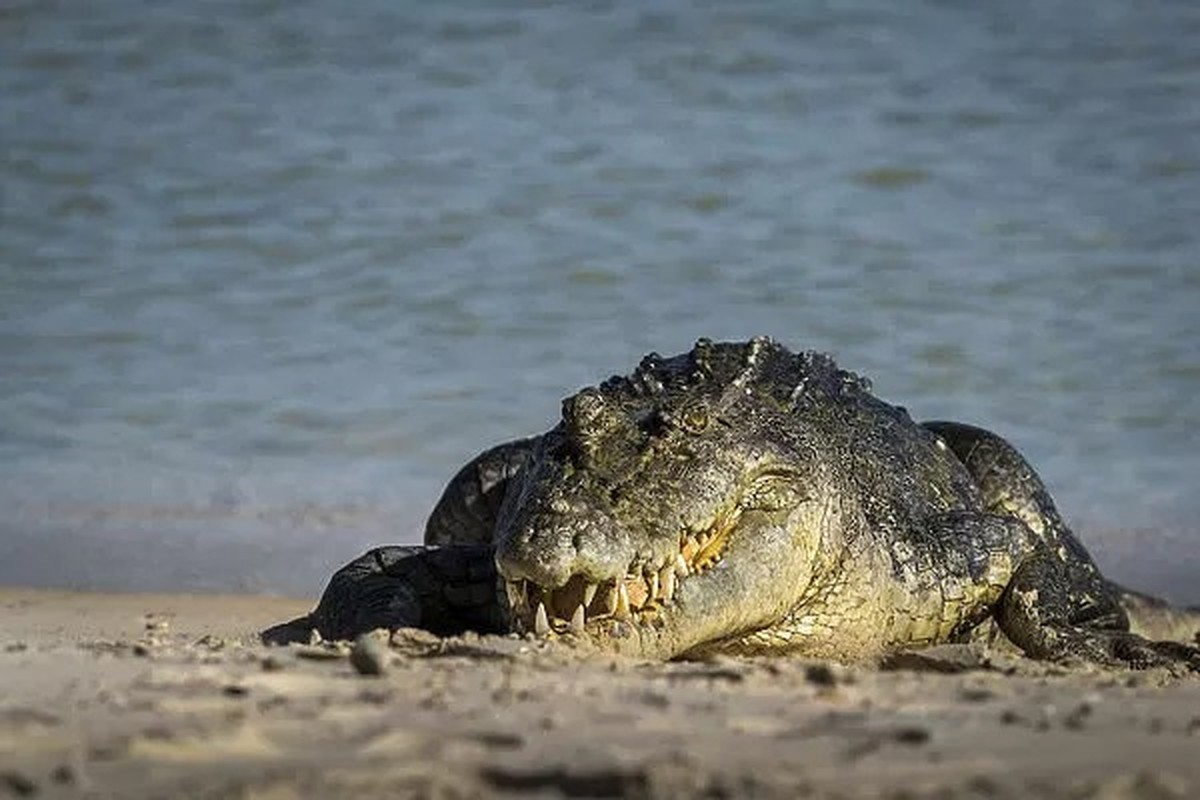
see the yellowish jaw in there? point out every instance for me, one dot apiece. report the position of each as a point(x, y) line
point(638, 598)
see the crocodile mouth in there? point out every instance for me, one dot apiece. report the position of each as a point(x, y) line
point(581, 606)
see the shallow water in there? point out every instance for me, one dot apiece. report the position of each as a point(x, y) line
point(270, 272)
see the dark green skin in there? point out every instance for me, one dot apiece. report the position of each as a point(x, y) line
point(839, 528)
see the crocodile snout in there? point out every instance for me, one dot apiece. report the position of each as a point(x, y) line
point(560, 539)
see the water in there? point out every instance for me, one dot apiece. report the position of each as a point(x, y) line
point(270, 272)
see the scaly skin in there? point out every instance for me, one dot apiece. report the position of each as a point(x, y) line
point(742, 498)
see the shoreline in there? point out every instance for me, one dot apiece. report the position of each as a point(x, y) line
point(155, 695)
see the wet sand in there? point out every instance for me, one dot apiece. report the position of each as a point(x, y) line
point(172, 696)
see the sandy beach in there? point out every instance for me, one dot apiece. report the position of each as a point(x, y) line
point(108, 695)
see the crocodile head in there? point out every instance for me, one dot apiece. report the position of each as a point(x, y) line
point(673, 508)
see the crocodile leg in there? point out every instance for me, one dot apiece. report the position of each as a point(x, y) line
point(954, 572)
point(1057, 604)
point(1041, 613)
point(467, 510)
point(445, 590)
point(1008, 483)
point(448, 586)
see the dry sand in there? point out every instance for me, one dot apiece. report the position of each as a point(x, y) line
point(171, 696)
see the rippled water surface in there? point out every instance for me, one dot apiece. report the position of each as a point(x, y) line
point(270, 272)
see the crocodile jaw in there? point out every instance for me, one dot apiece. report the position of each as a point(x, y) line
point(722, 584)
point(607, 606)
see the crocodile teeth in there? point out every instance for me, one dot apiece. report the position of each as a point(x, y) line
point(681, 566)
point(622, 609)
point(589, 593)
point(516, 593)
point(578, 619)
point(609, 600)
point(541, 625)
point(666, 579)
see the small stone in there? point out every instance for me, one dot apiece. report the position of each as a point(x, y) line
point(17, 783)
point(235, 690)
point(976, 694)
point(655, 699)
point(948, 658)
point(376, 697)
point(369, 656)
point(271, 664)
point(1077, 716)
point(498, 740)
point(984, 786)
point(912, 735)
point(820, 674)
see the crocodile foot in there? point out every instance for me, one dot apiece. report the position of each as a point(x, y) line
point(1128, 651)
point(445, 590)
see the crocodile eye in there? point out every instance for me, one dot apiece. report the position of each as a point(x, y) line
point(772, 491)
point(694, 418)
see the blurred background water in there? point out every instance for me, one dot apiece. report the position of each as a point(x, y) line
point(271, 271)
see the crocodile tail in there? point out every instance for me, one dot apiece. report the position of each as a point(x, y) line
point(1155, 618)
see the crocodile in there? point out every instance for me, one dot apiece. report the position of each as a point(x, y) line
point(743, 498)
